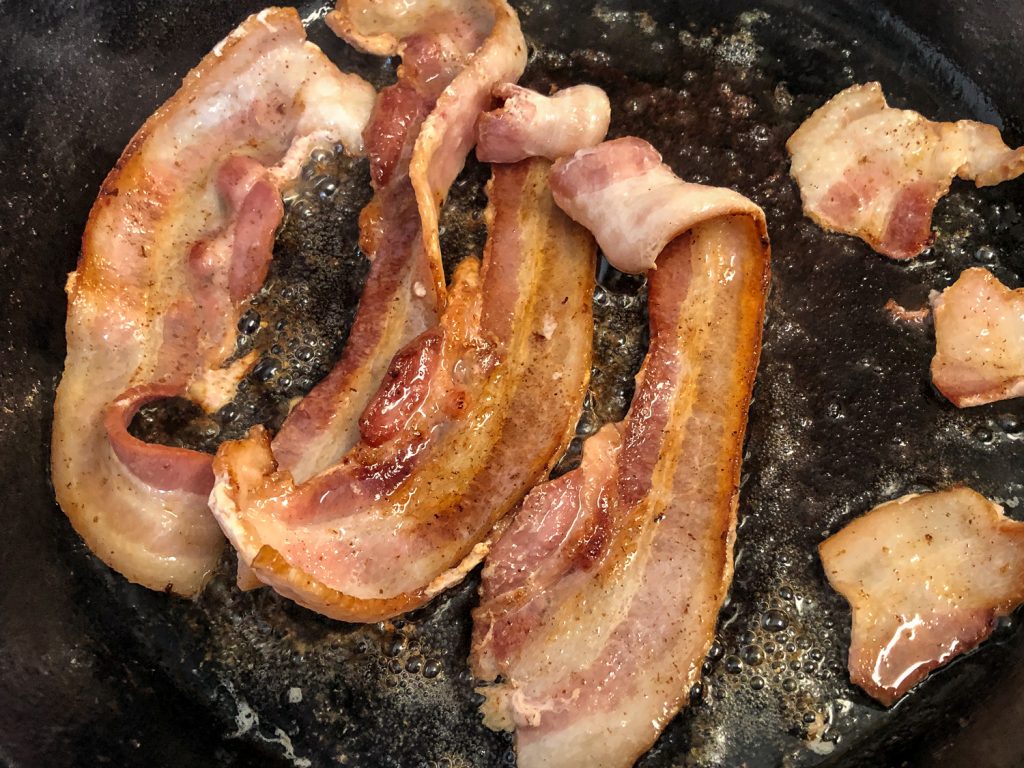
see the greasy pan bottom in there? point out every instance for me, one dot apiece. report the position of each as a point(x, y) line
point(97, 671)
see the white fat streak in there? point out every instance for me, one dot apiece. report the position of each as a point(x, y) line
point(247, 720)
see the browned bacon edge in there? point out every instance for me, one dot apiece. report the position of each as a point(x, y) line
point(599, 603)
point(405, 289)
point(419, 536)
point(154, 269)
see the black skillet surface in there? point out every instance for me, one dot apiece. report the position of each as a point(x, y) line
point(96, 671)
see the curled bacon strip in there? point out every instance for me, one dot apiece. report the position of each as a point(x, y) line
point(531, 125)
point(979, 340)
point(869, 170)
point(926, 575)
point(453, 53)
point(179, 238)
point(470, 414)
point(599, 603)
point(633, 203)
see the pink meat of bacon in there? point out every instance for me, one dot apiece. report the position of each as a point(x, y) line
point(599, 602)
point(453, 52)
point(979, 340)
point(633, 203)
point(408, 510)
point(869, 170)
point(926, 576)
point(178, 240)
point(531, 125)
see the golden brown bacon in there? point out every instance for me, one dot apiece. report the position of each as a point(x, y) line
point(179, 238)
point(453, 53)
point(979, 340)
point(926, 576)
point(876, 172)
point(444, 452)
point(599, 603)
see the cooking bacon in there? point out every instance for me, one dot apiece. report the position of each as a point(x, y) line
point(911, 316)
point(633, 203)
point(869, 170)
point(453, 53)
point(979, 340)
point(531, 125)
point(179, 238)
point(599, 603)
point(926, 575)
point(469, 416)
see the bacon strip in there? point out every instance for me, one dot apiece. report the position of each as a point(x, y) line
point(599, 603)
point(979, 340)
point(633, 203)
point(470, 415)
point(453, 53)
point(531, 125)
point(869, 170)
point(179, 238)
point(926, 575)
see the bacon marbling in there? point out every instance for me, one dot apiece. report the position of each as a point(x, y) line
point(528, 124)
point(926, 575)
point(867, 169)
point(453, 53)
point(408, 509)
point(633, 203)
point(599, 603)
point(179, 238)
point(979, 340)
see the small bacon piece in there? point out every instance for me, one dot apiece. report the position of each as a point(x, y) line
point(179, 238)
point(453, 52)
point(470, 415)
point(979, 340)
point(926, 575)
point(531, 125)
point(599, 603)
point(869, 170)
point(901, 313)
point(633, 203)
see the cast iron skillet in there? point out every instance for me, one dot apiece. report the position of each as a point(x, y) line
point(97, 671)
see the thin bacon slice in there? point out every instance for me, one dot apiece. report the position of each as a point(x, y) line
point(599, 603)
point(926, 575)
point(453, 53)
point(979, 340)
point(633, 203)
point(869, 170)
point(912, 316)
point(179, 238)
point(470, 415)
point(531, 125)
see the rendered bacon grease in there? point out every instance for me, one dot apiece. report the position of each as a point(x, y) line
point(421, 130)
point(869, 170)
point(600, 602)
point(926, 576)
point(178, 240)
point(979, 340)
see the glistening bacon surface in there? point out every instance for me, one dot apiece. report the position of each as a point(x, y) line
point(470, 416)
point(926, 576)
point(453, 53)
point(633, 203)
point(599, 603)
point(179, 238)
point(528, 124)
point(869, 170)
point(979, 340)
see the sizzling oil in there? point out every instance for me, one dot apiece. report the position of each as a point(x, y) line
point(844, 415)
